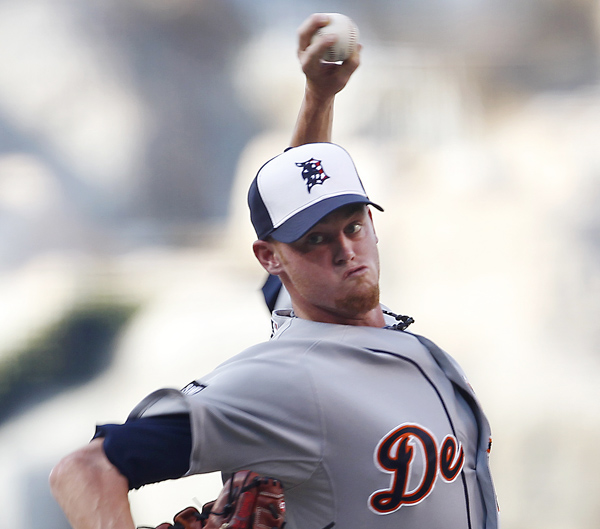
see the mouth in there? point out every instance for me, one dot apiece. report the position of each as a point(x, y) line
point(354, 272)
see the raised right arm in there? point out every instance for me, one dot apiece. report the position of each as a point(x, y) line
point(323, 82)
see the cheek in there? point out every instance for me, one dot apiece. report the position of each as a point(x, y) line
point(308, 277)
point(369, 248)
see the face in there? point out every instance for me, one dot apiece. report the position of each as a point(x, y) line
point(332, 272)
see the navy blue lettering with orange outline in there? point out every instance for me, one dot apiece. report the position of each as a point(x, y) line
point(395, 454)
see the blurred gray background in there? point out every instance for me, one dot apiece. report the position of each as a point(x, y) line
point(129, 133)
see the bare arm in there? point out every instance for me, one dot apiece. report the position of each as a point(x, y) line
point(323, 82)
point(91, 491)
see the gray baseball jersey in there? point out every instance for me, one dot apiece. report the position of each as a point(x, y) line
point(366, 427)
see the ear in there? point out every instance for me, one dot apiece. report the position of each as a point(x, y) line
point(267, 256)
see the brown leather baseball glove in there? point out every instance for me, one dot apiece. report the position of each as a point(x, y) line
point(247, 501)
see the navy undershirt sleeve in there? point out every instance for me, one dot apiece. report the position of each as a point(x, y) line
point(149, 449)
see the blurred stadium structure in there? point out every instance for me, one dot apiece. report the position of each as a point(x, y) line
point(130, 130)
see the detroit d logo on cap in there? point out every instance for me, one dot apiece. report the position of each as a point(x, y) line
point(312, 172)
point(280, 208)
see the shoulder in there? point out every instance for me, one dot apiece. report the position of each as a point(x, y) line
point(277, 364)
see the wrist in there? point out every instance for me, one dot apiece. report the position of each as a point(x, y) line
point(318, 98)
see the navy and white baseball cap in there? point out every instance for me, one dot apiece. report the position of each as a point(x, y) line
point(295, 190)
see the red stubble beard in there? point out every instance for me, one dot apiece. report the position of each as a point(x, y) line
point(360, 300)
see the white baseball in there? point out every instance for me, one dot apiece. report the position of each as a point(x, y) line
point(347, 34)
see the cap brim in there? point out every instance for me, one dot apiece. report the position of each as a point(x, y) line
point(295, 227)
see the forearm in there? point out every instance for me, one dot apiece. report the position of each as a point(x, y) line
point(315, 120)
point(91, 491)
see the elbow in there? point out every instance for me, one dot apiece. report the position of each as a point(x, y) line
point(69, 469)
point(90, 490)
point(85, 466)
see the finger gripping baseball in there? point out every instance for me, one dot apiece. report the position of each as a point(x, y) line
point(347, 35)
point(247, 501)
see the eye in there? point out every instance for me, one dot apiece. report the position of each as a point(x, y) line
point(315, 238)
point(353, 228)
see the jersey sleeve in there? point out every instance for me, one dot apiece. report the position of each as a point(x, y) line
point(257, 411)
point(149, 449)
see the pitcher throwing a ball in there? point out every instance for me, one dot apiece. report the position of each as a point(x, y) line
point(365, 424)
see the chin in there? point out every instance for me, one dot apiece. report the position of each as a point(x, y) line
point(360, 302)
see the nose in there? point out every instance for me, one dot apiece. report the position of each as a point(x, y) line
point(344, 250)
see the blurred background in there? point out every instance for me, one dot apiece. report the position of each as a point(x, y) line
point(129, 133)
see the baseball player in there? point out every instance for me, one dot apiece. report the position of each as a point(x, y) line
point(364, 423)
